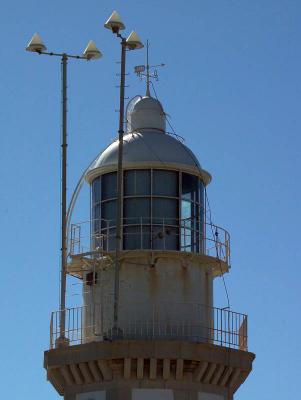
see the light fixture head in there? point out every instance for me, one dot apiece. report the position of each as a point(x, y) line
point(114, 23)
point(133, 42)
point(91, 51)
point(36, 44)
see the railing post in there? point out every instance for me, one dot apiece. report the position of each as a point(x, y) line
point(163, 228)
point(51, 331)
point(184, 220)
point(141, 234)
point(108, 237)
point(246, 332)
point(221, 311)
point(81, 325)
point(72, 240)
point(229, 331)
point(153, 321)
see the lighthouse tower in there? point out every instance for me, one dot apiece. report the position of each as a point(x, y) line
point(167, 340)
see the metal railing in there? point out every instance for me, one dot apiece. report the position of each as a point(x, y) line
point(151, 234)
point(154, 322)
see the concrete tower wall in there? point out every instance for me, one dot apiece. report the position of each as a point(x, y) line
point(172, 297)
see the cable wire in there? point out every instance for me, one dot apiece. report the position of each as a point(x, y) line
point(214, 236)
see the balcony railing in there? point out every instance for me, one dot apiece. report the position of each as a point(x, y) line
point(208, 325)
point(151, 234)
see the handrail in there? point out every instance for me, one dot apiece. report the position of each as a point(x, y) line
point(152, 234)
point(221, 327)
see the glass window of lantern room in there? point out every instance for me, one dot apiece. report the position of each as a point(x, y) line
point(109, 186)
point(165, 183)
point(165, 224)
point(191, 226)
point(137, 183)
point(108, 213)
point(96, 217)
point(136, 210)
point(96, 190)
point(190, 187)
point(165, 211)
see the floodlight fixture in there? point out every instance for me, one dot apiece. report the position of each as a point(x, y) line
point(114, 23)
point(36, 44)
point(133, 41)
point(91, 52)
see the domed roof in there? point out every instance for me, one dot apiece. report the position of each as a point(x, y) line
point(145, 113)
point(146, 144)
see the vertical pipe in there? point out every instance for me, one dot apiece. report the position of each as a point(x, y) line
point(51, 331)
point(151, 210)
point(108, 233)
point(180, 209)
point(119, 187)
point(245, 332)
point(163, 231)
point(63, 200)
point(147, 71)
point(141, 234)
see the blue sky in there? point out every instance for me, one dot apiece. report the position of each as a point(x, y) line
point(232, 88)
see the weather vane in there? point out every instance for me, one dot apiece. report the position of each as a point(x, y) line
point(151, 70)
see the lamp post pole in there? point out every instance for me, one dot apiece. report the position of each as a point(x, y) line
point(118, 246)
point(133, 42)
point(91, 53)
point(64, 198)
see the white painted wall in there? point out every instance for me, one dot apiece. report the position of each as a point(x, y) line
point(99, 395)
point(210, 396)
point(176, 285)
point(151, 394)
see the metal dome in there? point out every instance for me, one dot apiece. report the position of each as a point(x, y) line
point(146, 145)
point(149, 148)
point(145, 113)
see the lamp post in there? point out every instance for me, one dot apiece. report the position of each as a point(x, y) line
point(132, 42)
point(90, 53)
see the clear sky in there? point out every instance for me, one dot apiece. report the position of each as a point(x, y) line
point(232, 88)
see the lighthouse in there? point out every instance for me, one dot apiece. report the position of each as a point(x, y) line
point(150, 331)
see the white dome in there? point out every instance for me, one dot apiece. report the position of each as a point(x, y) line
point(145, 113)
point(149, 148)
point(146, 145)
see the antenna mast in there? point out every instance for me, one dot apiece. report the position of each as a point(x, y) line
point(145, 71)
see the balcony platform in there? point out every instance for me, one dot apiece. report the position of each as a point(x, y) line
point(96, 260)
point(123, 365)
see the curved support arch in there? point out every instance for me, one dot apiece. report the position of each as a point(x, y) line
point(76, 194)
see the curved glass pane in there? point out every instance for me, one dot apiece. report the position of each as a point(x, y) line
point(137, 183)
point(165, 237)
point(109, 186)
point(150, 214)
point(165, 183)
point(165, 209)
point(96, 217)
point(192, 222)
point(190, 187)
point(108, 213)
point(136, 211)
point(96, 190)
point(136, 237)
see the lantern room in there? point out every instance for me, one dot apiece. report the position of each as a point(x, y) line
point(163, 187)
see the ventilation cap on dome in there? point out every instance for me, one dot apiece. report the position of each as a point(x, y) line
point(145, 113)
